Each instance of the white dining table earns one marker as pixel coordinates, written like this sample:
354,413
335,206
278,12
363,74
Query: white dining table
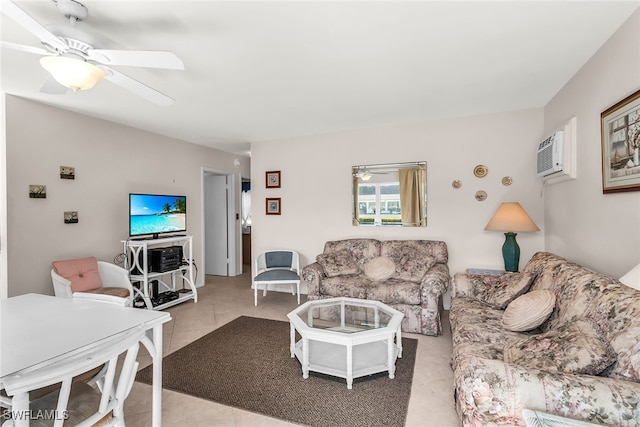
38,330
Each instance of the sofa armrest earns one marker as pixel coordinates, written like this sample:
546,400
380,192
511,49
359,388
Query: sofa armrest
491,392
436,280
466,285
313,275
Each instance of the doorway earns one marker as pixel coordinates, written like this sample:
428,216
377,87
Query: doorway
219,223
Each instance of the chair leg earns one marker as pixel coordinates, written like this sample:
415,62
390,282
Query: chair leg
255,294
298,286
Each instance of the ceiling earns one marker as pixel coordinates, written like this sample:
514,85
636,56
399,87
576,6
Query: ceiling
262,70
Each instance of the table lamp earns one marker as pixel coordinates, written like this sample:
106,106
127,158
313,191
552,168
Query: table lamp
510,217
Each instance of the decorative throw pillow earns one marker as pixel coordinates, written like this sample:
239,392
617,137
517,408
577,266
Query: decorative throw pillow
82,273
412,260
529,311
499,291
338,263
572,348
380,268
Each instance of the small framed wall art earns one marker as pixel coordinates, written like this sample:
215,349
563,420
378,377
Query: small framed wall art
620,126
67,172
273,206
273,179
37,191
71,217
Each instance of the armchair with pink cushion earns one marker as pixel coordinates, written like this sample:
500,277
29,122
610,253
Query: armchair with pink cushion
88,275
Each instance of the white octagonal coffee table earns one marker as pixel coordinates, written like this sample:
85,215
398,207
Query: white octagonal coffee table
346,337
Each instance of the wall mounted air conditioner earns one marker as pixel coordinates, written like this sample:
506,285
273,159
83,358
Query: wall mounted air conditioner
556,154
549,157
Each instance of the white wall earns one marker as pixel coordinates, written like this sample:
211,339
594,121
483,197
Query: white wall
316,185
111,160
600,231
3,202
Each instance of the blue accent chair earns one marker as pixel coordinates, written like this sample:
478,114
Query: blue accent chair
275,268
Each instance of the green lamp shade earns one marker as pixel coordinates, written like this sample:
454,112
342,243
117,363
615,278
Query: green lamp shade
511,253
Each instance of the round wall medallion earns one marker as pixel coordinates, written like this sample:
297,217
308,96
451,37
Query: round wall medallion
456,183
507,180
481,195
480,171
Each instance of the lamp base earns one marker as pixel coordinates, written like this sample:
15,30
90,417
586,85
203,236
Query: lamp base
511,253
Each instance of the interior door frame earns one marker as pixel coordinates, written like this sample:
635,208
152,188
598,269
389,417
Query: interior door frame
234,247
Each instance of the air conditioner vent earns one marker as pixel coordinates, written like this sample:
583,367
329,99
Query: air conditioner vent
549,158
556,154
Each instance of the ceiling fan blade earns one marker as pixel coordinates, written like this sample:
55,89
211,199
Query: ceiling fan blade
24,48
51,86
137,58
136,87
12,11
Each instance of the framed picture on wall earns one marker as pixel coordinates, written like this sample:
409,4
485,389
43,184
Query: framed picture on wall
273,206
620,126
273,179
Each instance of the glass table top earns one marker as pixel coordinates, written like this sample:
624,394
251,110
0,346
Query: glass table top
345,315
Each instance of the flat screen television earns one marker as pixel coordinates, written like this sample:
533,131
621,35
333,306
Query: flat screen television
156,214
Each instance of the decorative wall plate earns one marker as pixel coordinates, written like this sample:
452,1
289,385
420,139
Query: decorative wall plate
456,183
481,195
507,180
480,171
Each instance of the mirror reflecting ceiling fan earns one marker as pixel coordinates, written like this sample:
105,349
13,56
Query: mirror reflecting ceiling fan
365,173
76,60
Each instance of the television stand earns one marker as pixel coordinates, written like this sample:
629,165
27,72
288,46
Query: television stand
138,263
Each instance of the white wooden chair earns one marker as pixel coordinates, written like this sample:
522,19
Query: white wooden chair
77,403
75,275
276,267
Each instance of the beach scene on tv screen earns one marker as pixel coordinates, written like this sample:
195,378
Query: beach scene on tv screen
151,214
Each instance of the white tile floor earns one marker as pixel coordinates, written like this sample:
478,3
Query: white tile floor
223,299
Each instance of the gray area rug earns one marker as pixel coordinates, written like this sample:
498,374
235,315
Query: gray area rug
246,364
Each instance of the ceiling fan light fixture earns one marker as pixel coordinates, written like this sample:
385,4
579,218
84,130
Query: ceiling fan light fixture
76,74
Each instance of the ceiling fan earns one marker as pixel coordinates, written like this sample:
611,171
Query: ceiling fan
77,61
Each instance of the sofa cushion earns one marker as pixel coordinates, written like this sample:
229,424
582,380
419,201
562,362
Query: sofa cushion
81,272
573,347
476,331
360,249
113,291
411,259
338,263
529,311
627,346
395,291
380,268
345,286
499,291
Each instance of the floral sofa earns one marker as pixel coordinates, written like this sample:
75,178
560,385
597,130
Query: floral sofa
582,362
408,275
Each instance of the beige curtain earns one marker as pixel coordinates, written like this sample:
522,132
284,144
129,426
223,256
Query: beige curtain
412,196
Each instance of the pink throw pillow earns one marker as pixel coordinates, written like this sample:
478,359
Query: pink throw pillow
82,273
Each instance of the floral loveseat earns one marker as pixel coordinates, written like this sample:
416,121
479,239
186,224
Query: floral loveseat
408,275
583,362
